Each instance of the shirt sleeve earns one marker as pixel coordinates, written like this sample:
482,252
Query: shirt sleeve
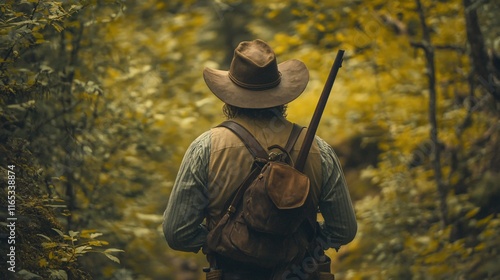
340,226
183,217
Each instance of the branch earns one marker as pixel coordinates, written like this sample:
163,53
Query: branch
459,49
426,46
431,75
11,49
34,10
474,6
419,45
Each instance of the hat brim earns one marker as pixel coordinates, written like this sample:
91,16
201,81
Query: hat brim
294,79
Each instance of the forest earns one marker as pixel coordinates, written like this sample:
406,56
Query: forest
99,100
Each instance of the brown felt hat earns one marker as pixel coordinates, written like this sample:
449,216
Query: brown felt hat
255,80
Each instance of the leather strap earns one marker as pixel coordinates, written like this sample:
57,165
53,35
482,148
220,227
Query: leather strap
259,154
242,188
292,139
294,135
253,145
247,138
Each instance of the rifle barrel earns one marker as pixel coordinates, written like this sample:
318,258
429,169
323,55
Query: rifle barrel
313,125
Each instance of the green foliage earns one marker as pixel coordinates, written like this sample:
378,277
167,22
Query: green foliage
69,250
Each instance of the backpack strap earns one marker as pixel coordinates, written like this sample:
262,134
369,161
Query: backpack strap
292,139
294,135
260,156
253,146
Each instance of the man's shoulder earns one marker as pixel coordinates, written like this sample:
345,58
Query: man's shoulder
327,152
203,140
222,138
322,144
219,132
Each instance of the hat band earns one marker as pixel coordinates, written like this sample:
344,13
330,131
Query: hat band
255,86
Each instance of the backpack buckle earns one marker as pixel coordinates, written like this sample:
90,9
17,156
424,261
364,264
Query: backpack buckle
260,160
273,156
283,155
231,209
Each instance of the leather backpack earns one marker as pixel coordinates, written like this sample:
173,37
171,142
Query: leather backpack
270,220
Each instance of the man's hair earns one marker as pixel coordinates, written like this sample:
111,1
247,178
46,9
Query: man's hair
232,112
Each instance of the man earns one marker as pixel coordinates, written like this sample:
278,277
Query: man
255,91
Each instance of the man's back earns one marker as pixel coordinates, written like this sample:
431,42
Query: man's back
230,161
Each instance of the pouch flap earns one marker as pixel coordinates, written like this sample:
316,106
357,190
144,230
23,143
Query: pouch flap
287,187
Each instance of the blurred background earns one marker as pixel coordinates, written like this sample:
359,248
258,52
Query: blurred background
99,100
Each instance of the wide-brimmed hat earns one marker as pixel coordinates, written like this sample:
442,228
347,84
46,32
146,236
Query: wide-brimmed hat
256,80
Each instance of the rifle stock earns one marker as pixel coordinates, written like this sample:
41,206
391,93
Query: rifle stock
313,125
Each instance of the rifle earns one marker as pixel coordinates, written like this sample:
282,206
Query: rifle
313,125
323,261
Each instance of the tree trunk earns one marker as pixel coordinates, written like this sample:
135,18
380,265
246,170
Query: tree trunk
426,45
477,53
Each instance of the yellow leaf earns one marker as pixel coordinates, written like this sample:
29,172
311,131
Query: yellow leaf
111,257
48,245
472,213
438,257
82,249
42,262
94,235
113,250
484,221
320,27
98,243
480,247
58,231
87,233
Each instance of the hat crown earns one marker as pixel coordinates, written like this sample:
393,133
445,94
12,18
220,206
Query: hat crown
254,66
